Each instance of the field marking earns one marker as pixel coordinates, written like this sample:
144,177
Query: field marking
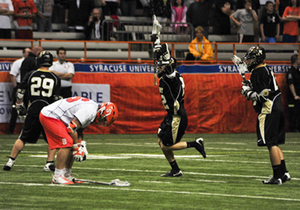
156,182
212,181
187,157
153,191
143,171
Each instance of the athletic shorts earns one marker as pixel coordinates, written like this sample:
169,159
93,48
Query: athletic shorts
172,129
270,129
56,132
31,130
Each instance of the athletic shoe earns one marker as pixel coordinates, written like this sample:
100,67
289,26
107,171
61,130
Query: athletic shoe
10,163
61,180
71,178
200,147
273,181
172,173
49,167
286,177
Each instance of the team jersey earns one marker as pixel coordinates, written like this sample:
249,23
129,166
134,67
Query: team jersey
42,88
264,84
293,77
172,94
84,109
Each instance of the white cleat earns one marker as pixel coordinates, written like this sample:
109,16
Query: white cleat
61,180
10,163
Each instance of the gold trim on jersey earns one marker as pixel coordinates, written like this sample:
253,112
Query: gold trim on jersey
175,127
267,107
45,70
262,120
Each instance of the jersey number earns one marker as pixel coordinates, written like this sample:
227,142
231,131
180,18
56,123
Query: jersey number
76,98
163,98
47,85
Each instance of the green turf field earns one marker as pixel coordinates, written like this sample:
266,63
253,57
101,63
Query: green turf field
229,178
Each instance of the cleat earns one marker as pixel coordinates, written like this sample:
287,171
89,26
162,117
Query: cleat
200,147
49,167
286,177
61,180
172,173
273,181
10,163
71,178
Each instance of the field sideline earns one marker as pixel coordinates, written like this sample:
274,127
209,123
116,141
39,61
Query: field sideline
229,178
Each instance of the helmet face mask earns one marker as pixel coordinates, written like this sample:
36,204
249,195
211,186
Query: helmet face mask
255,56
166,67
106,114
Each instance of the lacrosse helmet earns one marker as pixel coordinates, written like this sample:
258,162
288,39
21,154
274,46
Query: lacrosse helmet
257,54
45,59
106,114
165,59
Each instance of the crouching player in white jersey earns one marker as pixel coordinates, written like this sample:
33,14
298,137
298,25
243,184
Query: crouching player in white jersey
61,120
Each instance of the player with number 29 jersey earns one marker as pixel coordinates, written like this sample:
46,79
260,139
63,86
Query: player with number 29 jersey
42,88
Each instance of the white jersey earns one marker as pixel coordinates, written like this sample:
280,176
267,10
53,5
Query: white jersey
84,109
65,67
15,69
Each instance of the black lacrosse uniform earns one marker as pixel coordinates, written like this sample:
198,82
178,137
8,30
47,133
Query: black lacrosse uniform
293,77
173,126
271,120
42,87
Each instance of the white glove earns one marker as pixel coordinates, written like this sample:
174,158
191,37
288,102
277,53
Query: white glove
249,93
79,151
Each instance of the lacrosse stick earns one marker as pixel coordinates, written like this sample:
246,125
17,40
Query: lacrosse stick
241,66
115,182
155,37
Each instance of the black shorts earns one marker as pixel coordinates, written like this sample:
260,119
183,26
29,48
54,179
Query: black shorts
31,130
270,129
172,129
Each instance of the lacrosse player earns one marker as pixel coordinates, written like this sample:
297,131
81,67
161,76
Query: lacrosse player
42,88
171,88
263,90
61,120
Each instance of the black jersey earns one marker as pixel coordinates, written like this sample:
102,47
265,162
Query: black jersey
42,88
172,94
264,84
293,77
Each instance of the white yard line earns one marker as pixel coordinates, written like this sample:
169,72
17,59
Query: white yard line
151,171
152,191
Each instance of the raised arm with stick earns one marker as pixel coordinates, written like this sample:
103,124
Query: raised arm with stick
156,44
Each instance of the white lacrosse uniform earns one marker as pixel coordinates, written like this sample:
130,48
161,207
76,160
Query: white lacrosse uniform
84,109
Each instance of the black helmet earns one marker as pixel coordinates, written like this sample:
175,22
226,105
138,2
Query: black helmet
258,54
44,58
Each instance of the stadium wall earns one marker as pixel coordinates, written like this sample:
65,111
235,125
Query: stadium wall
212,97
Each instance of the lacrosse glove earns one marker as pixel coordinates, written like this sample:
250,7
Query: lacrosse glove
79,151
249,93
20,108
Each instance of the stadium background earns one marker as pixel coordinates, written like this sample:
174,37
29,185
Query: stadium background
212,97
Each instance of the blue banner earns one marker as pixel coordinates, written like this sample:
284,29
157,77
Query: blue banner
147,68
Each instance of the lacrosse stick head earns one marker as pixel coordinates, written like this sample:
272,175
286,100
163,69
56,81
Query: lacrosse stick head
117,182
241,66
156,26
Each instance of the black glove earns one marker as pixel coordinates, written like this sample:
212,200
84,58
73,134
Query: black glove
20,108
